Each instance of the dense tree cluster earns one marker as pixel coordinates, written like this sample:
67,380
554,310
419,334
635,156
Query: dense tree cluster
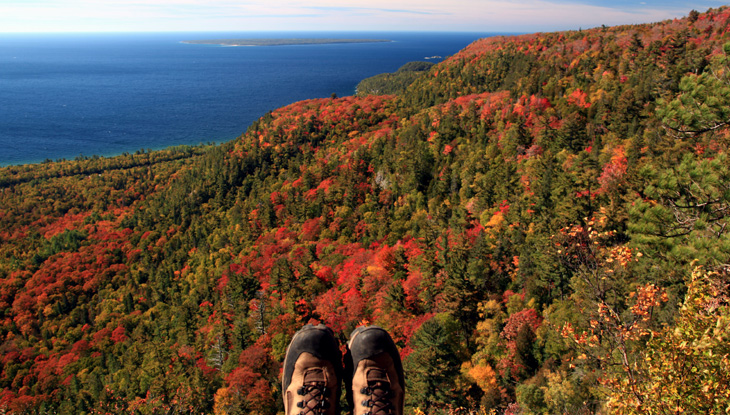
393,83
540,221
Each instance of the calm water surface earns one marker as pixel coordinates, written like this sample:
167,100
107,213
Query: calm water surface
67,95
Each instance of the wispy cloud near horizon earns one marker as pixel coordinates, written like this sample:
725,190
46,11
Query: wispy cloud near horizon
347,9
323,15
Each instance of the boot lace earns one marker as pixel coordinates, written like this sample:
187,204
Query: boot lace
314,399
379,398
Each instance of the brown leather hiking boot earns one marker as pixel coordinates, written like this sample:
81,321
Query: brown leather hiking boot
374,373
312,373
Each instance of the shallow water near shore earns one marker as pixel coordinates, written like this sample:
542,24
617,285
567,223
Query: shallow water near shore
66,95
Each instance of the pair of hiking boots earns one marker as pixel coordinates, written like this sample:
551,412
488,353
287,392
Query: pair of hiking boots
372,372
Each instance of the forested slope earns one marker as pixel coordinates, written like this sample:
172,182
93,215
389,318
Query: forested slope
539,221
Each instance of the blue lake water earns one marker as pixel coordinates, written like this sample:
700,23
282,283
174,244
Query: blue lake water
65,95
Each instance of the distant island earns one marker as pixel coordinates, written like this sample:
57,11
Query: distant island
279,42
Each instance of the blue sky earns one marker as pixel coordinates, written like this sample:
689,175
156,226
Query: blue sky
335,15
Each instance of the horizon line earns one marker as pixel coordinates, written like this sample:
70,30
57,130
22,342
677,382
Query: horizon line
259,31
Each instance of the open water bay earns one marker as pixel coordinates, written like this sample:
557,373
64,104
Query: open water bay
65,95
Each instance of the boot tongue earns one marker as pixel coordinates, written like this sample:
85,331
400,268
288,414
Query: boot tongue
314,392
314,375
379,392
376,375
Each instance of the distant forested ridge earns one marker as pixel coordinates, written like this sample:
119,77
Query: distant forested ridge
393,83
540,221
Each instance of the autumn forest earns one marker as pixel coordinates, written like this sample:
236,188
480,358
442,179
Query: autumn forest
540,222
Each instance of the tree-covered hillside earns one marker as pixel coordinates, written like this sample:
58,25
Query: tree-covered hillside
393,83
539,221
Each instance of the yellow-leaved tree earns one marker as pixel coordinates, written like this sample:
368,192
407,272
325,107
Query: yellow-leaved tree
685,368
